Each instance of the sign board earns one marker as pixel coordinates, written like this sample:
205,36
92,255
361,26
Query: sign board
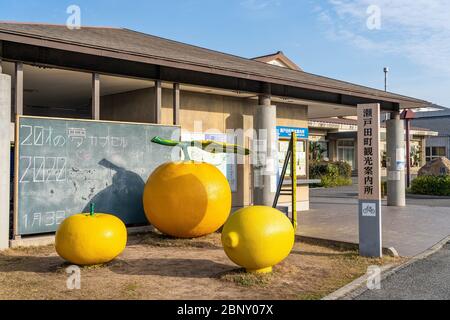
301,157
64,165
226,163
369,175
286,132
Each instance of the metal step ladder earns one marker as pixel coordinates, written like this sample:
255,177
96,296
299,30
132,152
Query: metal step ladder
291,159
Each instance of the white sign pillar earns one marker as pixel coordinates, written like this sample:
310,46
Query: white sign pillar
369,175
5,151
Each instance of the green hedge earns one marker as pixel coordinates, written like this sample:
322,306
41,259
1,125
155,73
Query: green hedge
431,185
332,174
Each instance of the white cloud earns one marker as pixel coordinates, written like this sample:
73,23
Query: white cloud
418,30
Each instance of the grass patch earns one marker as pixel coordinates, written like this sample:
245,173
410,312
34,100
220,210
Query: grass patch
156,239
311,296
155,266
244,279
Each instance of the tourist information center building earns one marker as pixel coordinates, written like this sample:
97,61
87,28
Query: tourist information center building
122,75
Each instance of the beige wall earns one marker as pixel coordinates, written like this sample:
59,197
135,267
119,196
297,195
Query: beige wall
215,112
132,106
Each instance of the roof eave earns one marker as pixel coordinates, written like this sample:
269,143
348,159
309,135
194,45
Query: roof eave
6,35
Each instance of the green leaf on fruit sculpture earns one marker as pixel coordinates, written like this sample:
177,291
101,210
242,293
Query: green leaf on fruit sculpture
205,145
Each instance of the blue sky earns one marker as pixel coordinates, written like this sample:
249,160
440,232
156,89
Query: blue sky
326,37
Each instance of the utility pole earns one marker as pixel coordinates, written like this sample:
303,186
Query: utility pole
386,71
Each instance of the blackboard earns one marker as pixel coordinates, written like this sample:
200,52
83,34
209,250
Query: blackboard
64,165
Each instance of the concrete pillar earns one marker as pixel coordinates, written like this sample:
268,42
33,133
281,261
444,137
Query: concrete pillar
176,104
158,102
5,149
265,165
95,96
18,85
423,152
396,161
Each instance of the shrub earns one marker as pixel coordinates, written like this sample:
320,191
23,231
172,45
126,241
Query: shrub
331,174
431,185
345,170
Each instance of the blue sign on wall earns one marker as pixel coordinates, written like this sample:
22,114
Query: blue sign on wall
286,132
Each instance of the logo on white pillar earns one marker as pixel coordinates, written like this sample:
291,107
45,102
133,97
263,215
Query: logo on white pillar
373,278
74,20
74,280
369,210
374,19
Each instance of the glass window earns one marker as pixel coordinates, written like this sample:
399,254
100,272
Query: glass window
346,151
435,152
439,151
346,143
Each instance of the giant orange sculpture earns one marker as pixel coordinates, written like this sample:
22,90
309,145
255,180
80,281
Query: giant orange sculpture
187,199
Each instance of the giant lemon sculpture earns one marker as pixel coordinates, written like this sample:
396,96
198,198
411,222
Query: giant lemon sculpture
257,238
90,239
188,199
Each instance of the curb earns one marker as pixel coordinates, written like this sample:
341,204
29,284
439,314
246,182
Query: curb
421,196
392,252
354,288
358,286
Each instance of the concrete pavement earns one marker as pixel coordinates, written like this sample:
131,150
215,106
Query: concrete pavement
411,230
427,279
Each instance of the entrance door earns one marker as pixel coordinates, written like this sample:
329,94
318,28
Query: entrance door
346,151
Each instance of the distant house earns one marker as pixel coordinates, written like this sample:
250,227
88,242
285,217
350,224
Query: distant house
439,121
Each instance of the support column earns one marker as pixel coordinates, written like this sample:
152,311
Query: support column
265,171
396,154
5,149
423,152
95,96
18,94
176,104
1,56
158,101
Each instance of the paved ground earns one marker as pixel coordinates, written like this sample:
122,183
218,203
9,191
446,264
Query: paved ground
428,279
411,230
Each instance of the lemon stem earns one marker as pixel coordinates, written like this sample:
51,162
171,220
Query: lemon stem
92,209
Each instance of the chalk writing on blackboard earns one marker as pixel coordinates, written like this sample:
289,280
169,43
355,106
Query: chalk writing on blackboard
64,165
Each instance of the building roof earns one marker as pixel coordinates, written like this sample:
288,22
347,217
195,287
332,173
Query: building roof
433,114
136,46
281,57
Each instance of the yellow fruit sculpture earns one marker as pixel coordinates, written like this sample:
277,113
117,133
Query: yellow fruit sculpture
187,199
91,239
257,238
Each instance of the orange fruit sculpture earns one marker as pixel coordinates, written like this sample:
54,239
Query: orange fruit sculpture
91,239
187,199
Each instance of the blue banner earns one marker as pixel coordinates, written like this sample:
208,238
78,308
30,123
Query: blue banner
286,132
